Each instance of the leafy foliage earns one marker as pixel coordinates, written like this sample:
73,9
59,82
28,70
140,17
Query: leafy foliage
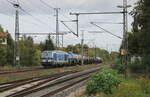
47,45
76,48
119,68
136,66
6,51
139,40
3,55
130,88
140,66
29,53
104,81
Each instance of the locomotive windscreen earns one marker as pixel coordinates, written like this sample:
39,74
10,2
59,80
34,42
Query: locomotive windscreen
46,54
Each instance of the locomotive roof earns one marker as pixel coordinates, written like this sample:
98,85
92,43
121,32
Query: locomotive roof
71,54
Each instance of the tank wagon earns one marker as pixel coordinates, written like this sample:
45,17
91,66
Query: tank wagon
60,58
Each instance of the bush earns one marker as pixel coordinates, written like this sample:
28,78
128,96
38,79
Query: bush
119,67
136,66
103,81
140,66
3,55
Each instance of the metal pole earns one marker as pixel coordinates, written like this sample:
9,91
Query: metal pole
86,13
125,42
82,49
62,40
93,49
16,45
95,52
57,27
77,16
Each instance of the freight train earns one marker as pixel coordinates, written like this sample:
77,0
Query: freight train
60,58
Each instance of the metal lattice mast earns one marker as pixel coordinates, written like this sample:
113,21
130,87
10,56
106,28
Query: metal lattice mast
82,48
62,40
125,40
57,26
16,47
124,49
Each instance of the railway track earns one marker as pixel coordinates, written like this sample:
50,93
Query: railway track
46,86
19,71
24,70
13,84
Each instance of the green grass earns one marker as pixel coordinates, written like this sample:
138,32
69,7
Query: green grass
133,88
5,68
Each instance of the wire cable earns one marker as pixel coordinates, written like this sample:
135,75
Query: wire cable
65,16
106,30
10,2
23,10
54,9
46,4
27,12
32,16
37,18
109,22
68,28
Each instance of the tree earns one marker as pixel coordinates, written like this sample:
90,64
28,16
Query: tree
1,29
69,48
10,49
139,40
6,50
48,44
29,53
3,55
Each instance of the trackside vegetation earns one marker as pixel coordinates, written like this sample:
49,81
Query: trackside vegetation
132,88
108,83
139,38
104,81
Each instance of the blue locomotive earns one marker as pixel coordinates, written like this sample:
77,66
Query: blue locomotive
54,58
60,58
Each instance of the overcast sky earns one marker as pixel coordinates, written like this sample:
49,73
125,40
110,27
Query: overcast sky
43,19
